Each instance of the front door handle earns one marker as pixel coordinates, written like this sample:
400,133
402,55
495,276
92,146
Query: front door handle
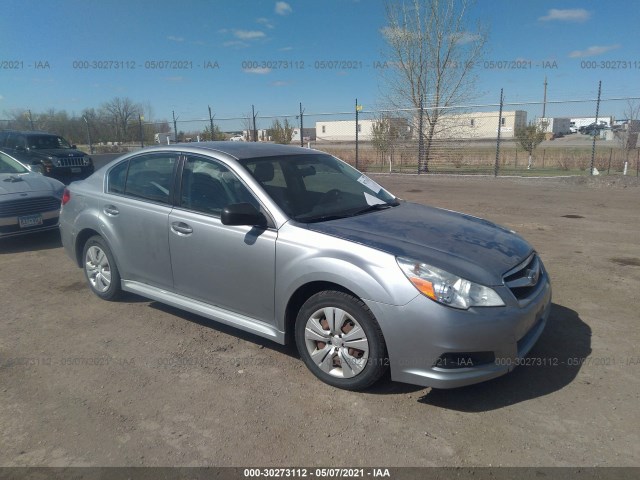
181,228
111,210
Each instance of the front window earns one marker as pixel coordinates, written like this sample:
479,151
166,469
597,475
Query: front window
47,142
208,187
9,165
317,187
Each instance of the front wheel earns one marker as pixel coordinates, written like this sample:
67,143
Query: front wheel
340,341
100,269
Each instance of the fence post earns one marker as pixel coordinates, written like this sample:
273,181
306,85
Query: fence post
495,167
595,130
420,137
210,123
356,133
175,126
141,131
255,130
88,134
301,126
637,161
610,155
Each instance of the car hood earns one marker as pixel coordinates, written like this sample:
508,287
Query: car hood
470,247
27,182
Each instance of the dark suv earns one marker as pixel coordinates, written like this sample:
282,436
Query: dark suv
47,153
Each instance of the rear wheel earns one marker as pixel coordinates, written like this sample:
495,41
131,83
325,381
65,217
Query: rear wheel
340,341
100,269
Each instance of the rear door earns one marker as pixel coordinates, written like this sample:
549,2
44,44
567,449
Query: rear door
136,215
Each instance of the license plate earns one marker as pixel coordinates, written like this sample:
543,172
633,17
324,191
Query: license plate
30,220
76,169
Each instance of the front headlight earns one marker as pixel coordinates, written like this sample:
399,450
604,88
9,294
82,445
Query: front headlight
446,288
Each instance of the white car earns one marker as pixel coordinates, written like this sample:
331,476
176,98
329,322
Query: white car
237,138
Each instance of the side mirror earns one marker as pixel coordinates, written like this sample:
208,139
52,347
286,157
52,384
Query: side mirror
243,214
74,146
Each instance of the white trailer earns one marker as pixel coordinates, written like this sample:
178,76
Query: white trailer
164,137
555,125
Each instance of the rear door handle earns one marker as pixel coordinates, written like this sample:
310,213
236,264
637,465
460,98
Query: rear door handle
181,228
111,210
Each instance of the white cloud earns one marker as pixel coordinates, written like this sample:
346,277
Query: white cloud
175,39
280,83
285,49
283,8
568,15
265,21
1,98
176,79
248,34
592,51
257,71
235,43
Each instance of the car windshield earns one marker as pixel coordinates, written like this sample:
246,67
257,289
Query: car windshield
47,142
318,187
9,165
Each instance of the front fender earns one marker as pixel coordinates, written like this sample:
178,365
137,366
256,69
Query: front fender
304,256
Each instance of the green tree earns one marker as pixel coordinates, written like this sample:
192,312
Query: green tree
216,135
530,137
281,132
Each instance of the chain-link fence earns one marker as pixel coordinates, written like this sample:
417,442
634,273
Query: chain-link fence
556,137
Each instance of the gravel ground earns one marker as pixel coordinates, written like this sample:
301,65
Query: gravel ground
84,382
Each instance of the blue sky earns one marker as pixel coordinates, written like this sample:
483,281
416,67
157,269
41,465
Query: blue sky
227,34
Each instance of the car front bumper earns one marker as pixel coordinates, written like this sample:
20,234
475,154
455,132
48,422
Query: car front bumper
436,346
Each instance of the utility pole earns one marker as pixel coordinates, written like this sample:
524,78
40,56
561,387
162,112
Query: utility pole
31,120
544,101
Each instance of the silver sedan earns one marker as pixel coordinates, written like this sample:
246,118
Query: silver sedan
293,244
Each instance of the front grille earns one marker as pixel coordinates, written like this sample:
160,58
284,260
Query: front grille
28,206
70,162
524,279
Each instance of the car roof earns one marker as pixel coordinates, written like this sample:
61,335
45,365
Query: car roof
241,150
30,132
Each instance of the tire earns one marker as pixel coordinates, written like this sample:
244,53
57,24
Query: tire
340,341
100,269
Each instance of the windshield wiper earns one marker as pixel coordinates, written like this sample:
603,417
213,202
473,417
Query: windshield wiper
375,207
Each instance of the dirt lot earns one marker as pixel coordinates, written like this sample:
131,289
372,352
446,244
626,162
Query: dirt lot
133,383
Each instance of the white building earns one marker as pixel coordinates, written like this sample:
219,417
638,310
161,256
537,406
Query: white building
463,126
480,125
345,130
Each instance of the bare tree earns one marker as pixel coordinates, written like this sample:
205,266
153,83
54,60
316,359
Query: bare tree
628,136
432,56
120,113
